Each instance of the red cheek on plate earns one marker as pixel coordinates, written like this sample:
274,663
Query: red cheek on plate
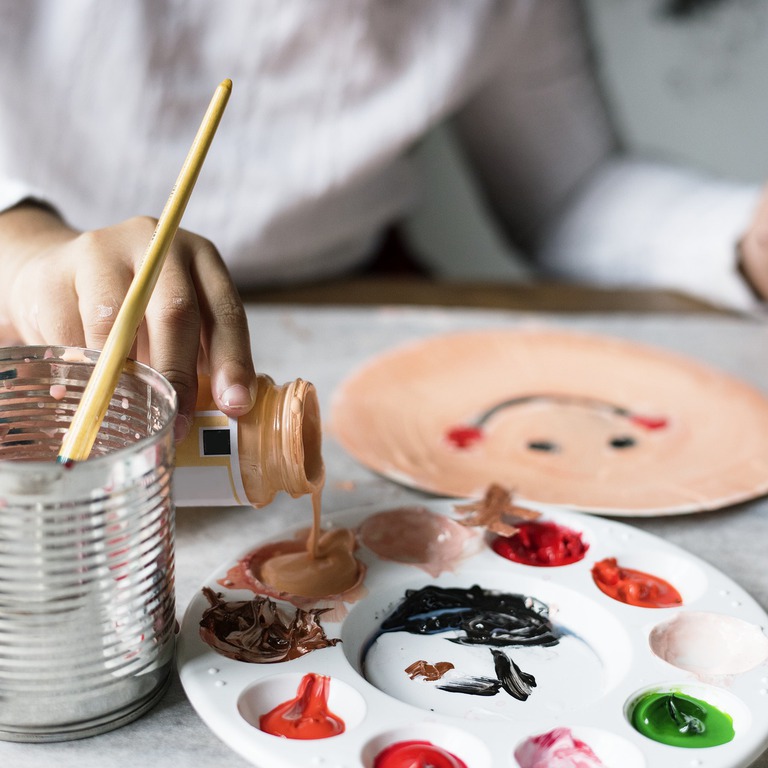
464,437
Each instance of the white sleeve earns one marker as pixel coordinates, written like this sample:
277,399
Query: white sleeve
641,224
13,191
540,140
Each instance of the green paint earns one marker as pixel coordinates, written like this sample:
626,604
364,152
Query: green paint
680,720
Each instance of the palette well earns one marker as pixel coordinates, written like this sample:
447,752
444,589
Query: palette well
589,422
448,642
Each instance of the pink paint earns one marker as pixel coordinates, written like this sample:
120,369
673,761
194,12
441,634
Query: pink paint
545,544
416,754
307,715
556,749
58,391
417,536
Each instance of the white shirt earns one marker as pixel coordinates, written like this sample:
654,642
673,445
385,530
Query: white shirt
100,99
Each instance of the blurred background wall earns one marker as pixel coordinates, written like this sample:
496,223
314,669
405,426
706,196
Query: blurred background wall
690,90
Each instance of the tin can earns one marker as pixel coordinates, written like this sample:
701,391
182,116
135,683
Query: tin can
87,610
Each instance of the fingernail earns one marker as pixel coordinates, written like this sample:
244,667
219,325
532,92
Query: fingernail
237,397
181,427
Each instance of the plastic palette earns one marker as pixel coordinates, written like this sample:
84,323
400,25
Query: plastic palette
586,683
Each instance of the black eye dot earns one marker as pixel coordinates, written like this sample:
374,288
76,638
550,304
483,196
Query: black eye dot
543,445
625,441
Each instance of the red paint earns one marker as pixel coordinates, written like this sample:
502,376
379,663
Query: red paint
634,587
649,422
544,544
416,754
464,437
307,716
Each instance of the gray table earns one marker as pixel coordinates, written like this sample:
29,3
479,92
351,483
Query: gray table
324,345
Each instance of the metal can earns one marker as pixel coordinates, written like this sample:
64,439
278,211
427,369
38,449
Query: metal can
87,610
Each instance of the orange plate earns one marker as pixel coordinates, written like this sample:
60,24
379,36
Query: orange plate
711,450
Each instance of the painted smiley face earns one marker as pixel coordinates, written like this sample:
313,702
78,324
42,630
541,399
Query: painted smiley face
592,423
581,432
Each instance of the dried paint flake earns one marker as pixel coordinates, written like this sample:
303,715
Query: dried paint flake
495,512
430,672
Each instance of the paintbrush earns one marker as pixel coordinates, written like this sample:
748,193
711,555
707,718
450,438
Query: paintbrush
81,435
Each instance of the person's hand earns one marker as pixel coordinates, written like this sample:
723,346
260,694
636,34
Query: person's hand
753,250
60,286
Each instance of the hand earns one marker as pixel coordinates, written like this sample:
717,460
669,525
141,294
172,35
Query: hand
60,286
753,250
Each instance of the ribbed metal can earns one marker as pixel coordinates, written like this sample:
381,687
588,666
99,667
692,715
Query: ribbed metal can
87,611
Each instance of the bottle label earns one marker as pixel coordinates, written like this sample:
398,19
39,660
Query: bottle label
207,469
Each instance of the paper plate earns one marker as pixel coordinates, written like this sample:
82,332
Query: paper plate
605,653
592,423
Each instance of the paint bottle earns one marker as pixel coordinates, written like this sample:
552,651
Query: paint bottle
275,447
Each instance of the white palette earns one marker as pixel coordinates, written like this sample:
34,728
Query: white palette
584,683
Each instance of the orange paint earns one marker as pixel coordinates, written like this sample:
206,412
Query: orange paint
634,587
307,715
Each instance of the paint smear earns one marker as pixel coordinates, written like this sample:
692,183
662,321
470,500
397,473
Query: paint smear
556,749
632,587
509,678
476,617
255,630
307,715
496,512
427,671
416,754
483,617
709,644
679,720
416,536
543,544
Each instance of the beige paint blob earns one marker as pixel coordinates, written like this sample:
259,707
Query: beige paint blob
709,644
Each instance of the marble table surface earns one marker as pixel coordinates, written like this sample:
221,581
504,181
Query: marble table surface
324,345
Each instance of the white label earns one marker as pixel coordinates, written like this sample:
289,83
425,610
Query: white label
208,463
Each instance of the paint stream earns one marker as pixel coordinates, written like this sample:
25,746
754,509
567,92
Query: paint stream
326,567
711,645
556,749
679,720
416,536
634,587
544,544
316,565
254,630
307,715
416,754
